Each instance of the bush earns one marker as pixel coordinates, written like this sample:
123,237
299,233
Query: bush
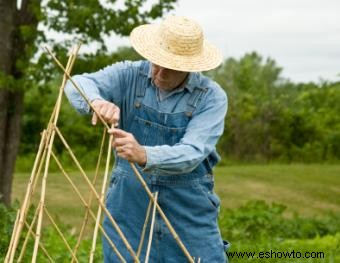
258,220
50,239
261,227
7,218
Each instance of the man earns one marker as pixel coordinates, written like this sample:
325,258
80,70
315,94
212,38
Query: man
170,117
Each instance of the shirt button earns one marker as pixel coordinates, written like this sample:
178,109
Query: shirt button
188,113
137,104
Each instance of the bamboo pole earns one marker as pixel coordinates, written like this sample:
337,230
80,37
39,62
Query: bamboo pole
85,220
12,239
40,245
68,69
77,87
144,229
60,234
99,213
159,209
42,201
43,158
86,206
23,211
151,229
23,248
113,222
44,179
39,161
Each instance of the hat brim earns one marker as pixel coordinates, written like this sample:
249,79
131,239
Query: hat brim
145,41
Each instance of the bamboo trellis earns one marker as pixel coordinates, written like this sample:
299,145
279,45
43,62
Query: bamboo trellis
18,243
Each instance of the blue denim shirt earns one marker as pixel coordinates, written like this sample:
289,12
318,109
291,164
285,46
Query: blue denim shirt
118,82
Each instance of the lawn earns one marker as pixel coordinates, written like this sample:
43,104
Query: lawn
307,189
310,190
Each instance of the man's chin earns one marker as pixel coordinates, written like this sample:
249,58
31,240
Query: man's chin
162,85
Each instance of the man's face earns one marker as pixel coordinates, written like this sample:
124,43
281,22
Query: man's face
167,79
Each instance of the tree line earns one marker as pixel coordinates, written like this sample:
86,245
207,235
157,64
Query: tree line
274,119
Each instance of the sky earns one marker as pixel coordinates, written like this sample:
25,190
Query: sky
302,36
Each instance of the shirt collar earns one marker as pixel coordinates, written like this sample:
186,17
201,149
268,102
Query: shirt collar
192,81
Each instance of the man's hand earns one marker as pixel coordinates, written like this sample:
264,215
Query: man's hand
107,110
127,147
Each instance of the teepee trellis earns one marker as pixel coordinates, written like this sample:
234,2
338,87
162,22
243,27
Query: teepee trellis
41,155
44,154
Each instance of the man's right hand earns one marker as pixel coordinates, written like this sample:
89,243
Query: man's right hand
107,110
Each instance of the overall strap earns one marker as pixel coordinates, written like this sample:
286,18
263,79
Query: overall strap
140,92
195,99
141,88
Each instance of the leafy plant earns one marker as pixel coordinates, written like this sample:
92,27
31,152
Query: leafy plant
258,220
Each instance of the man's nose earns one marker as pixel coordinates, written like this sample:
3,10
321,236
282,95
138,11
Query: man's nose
163,71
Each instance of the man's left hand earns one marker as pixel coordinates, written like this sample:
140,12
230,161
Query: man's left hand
127,147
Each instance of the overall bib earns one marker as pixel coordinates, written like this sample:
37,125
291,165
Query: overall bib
188,200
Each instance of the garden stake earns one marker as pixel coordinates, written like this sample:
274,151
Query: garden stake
23,211
60,233
44,179
151,229
40,245
30,227
99,213
144,229
76,86
12,239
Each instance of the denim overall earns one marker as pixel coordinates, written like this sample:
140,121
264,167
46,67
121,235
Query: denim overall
187,200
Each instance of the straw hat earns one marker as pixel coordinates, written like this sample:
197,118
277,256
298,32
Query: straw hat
177,43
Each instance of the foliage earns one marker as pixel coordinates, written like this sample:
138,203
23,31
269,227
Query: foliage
258,220
261,227
7,218
88,22
85,18
272,119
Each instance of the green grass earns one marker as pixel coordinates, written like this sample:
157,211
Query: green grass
306,189
310,190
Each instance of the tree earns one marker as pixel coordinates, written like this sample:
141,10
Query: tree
85,20
250,83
